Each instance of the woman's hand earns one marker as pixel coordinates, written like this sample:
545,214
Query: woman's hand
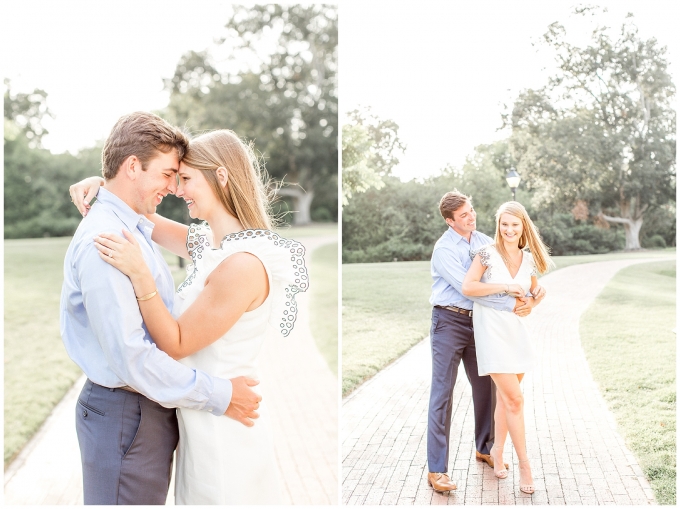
515,291
538,292
123,253
83,192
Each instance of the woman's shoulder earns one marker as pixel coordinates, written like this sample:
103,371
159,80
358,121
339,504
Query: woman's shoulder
197,239
284,261
484,252
264,238
280,256
530,263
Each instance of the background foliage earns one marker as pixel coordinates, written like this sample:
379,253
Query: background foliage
601,133
401,221
284,102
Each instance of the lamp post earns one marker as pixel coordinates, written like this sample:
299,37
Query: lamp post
513,179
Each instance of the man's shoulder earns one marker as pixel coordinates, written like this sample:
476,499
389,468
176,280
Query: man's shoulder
483,237
443,242
98,220
447,247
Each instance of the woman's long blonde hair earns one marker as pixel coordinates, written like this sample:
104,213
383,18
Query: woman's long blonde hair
530,236
246,194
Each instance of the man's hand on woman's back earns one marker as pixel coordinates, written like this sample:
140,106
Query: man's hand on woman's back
244,401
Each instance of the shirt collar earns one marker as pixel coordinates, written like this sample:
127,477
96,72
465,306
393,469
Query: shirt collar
129,217
457,237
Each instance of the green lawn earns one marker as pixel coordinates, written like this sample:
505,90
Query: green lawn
37,370
323,274
630,346
386,310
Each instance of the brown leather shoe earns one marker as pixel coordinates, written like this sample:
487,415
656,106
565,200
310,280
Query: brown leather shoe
440,482
486,458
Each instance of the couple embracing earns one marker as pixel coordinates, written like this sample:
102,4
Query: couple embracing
170,370
482,289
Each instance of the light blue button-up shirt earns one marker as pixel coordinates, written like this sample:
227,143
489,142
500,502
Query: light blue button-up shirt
102,327
450,262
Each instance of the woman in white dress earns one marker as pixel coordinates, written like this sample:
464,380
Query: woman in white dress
503,345
243,278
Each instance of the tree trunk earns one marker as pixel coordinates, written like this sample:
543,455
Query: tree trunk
632,212
302,204
632,229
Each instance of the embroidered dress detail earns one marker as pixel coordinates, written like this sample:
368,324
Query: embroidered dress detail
283,260
196,239
484,258
534,270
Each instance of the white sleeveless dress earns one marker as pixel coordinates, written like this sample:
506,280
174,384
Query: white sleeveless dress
219,460
502,339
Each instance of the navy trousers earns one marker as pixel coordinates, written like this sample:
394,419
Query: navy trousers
126,445
452,339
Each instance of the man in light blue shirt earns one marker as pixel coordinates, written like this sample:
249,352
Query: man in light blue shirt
125,415
452,337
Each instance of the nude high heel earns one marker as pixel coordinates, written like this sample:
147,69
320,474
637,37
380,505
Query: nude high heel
501,474
526,488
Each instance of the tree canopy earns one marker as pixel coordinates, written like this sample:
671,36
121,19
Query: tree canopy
27,111
602,131
283,98
370,149
36,182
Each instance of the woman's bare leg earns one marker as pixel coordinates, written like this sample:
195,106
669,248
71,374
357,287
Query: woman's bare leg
501,433
510,394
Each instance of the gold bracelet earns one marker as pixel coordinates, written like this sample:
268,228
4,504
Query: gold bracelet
148,296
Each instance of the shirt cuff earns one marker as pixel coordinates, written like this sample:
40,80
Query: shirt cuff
509,304
221,396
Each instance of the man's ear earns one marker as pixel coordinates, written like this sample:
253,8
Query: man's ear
132,166
222,175
449,222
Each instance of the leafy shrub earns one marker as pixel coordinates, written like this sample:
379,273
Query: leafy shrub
655,241
321,214
568,236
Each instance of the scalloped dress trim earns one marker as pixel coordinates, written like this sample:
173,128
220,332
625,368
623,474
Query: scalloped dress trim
197,243
484,258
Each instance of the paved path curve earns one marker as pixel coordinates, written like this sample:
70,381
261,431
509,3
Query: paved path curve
303,400
576,453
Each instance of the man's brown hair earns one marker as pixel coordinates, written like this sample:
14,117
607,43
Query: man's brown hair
452,201
143,135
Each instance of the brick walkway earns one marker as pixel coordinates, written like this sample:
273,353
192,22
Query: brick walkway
302,394
577,455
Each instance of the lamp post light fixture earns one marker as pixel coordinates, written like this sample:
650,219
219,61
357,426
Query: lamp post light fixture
513,179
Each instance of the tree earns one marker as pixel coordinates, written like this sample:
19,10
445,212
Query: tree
36,181
285,99
27,111
602,130
370,149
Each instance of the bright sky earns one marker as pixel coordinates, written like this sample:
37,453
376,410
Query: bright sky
443,70
100,60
